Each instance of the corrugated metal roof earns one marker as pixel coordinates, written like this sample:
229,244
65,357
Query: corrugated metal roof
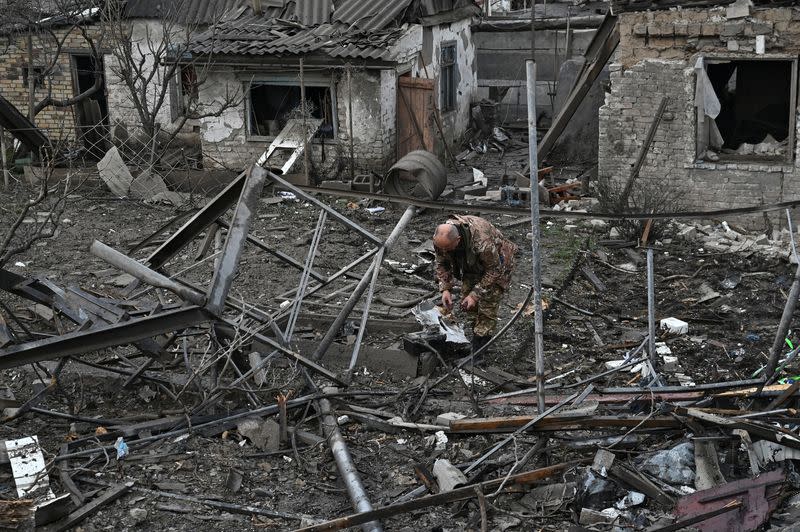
369,15
337,28
194,11
313,12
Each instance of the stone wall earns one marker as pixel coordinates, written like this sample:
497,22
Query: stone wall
58,123
655,59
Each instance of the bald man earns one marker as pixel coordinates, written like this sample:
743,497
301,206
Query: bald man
472,250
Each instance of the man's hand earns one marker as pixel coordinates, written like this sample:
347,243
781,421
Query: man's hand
447,299
469,302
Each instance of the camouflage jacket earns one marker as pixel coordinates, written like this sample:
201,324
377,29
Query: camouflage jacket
483,255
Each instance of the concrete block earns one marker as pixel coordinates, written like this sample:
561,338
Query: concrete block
738,9
674,326
733,46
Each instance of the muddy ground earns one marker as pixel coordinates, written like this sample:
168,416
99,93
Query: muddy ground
729,338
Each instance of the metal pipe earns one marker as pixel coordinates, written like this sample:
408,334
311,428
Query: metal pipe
651,309
142,272
538,319
783,327
350,304
344,462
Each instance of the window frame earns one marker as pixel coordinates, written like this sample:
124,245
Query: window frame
445,105
291,81
702,132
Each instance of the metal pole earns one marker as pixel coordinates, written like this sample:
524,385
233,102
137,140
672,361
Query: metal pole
344,463
651,309
303,110
365,313
5,163
350,113
305,276
535,235
358,291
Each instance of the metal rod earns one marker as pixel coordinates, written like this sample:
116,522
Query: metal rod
333,330
651,309
305,276
142,272
344,463
331,211
350,113
783,326
4,161
538,319
303,110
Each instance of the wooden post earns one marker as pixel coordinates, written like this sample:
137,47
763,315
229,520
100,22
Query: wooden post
305,127
5,163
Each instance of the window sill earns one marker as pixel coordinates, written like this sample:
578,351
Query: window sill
269,140
750,165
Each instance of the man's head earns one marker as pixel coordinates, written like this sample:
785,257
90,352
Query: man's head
446,237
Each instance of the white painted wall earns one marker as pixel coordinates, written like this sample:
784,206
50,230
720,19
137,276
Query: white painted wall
144,34
455,122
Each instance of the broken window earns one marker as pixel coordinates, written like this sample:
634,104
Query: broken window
184,91
272,104
38,76
746,109
447,77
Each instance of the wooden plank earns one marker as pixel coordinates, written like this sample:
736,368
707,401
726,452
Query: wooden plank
587,272
110,495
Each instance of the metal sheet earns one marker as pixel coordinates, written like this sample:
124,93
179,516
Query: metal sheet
28,466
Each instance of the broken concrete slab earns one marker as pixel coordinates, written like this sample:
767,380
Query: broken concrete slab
115,173
147,185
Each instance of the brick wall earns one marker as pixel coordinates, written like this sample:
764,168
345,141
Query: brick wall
655,58
58,122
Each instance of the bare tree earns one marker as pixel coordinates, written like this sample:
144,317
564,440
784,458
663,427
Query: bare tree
152,60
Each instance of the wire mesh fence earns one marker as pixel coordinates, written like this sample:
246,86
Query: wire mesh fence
73,149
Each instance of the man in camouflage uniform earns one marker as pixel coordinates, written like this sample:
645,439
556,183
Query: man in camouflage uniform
472,250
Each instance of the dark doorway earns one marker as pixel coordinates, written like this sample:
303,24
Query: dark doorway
91,114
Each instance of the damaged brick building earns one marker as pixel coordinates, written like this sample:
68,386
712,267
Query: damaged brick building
728,72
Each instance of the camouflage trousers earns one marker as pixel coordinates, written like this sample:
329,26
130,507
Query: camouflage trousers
484,315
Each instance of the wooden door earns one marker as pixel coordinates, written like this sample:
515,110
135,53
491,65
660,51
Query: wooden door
414,112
